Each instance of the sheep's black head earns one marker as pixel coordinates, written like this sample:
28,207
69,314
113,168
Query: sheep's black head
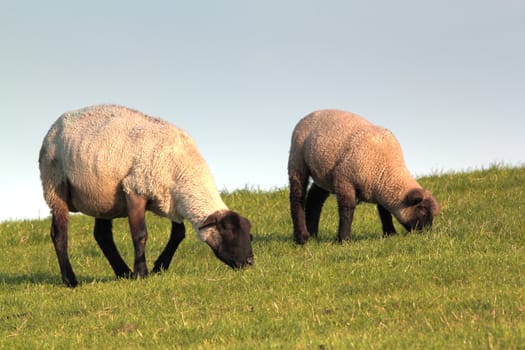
232,241
420,209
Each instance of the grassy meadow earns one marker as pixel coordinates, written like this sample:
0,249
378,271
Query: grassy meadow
459,286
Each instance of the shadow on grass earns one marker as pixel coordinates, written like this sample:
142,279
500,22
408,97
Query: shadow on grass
321,238
42,278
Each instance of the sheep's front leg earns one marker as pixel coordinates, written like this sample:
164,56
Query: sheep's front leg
386,220
346,204
137,224
104,237
314,204
298,186
177,235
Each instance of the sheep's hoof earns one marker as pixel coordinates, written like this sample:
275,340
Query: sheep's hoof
140,274
300,238
73,283
343,239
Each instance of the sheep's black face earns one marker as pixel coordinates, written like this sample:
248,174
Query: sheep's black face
422,207
421,219
235,248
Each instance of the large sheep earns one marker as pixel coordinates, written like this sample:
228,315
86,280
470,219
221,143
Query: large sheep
357,161
110,161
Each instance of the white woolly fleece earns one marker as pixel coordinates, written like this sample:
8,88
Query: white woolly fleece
103,151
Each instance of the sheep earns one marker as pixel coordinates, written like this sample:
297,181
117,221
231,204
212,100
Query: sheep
348,156
110,161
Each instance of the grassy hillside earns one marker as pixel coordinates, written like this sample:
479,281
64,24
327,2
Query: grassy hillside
461,285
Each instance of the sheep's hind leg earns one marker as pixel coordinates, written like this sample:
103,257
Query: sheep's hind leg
346,205
314,204
298,184
60,219
137,224
386,221
177,235
104,237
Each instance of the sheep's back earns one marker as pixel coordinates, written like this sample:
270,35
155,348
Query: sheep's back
95,148
335,141
321,138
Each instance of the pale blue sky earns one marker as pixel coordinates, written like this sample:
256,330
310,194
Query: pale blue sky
447,77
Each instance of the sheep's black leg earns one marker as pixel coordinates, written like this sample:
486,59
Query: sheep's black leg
137,224
176,236
314,204
298,184
104,237
60,219
346,205
386,220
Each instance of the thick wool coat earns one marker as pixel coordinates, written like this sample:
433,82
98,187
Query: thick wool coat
343,152
100,153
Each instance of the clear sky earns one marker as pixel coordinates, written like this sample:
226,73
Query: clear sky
447,77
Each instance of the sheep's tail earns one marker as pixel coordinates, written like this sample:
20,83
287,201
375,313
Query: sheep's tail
54,183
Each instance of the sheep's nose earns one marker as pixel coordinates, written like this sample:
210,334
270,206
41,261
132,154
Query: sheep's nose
249,261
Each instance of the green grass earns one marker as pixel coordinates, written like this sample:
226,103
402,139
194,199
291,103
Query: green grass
461,285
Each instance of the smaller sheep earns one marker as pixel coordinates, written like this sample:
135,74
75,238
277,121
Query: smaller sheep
110,161
346,155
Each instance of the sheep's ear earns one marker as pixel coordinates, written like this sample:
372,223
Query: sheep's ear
227,225
210,221
414,197
230,221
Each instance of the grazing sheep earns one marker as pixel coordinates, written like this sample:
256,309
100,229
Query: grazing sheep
110,161
357,161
